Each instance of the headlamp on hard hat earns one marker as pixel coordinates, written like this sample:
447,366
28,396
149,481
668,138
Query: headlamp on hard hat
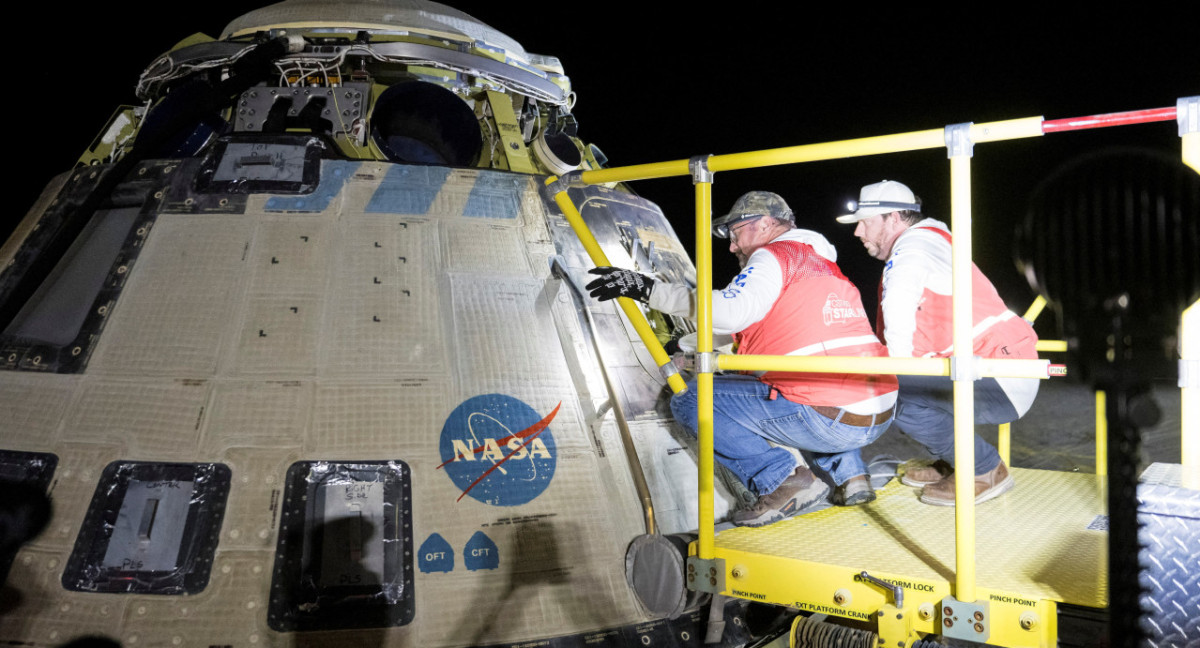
879,199
855,205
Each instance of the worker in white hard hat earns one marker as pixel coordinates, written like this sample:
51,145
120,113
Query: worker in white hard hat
915,321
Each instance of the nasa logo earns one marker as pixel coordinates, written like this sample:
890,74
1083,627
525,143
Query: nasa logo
498,450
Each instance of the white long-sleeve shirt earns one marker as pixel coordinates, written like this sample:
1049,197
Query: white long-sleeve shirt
916,309
749,296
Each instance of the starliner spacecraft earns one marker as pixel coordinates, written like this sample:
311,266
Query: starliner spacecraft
299,355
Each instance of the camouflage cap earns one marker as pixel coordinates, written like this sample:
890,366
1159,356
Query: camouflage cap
754,204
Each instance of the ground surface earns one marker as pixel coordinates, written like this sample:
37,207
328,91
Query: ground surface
1059,432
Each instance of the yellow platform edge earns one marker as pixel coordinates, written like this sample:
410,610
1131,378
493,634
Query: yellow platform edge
813,562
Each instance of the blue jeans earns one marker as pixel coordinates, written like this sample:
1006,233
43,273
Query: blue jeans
745,417
925,412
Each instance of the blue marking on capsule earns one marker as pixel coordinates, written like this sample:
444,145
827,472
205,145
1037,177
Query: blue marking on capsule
408,190
334,174
495,195
481,553
435,555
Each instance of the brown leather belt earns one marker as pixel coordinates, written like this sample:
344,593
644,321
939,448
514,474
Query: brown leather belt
850,418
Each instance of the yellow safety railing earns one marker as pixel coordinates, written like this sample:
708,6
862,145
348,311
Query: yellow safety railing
968,367
930,139
963,367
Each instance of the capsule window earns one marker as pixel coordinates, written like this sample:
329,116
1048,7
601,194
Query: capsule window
152,528
344,555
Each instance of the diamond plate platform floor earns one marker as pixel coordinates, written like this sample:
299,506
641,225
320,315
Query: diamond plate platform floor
1045,539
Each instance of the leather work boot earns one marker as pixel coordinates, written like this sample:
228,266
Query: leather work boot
988,486
857,490
798,492
918,473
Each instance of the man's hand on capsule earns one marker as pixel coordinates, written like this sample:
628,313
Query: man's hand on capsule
619,282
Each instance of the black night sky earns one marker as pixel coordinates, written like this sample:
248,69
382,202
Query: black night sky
661,82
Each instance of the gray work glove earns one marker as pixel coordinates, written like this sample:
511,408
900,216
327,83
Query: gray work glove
619,282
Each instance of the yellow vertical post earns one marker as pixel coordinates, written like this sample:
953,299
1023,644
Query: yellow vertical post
1004,442
704,346
1191,150
962,363
1101,433
1189,385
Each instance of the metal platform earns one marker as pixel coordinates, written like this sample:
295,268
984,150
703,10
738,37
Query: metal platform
1042,543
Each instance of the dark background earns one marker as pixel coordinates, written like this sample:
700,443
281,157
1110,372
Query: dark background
657,83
